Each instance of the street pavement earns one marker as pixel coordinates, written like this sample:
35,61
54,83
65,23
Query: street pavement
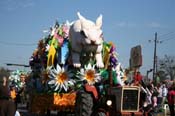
24,112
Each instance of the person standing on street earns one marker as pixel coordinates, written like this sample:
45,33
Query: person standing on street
7,106
171,99
164,93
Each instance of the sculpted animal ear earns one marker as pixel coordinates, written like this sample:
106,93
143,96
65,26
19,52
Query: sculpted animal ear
81,17
99,21
83,21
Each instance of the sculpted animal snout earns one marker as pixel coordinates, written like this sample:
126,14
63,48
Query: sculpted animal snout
93,41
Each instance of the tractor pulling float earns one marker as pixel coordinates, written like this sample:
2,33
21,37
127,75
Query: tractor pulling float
74,70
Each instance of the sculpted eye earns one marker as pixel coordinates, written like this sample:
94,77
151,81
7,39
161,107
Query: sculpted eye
83,34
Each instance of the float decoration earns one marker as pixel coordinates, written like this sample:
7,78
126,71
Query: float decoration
60,66
17,78
60,79
89,74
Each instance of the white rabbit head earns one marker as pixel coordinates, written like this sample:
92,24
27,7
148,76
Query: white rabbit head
91,31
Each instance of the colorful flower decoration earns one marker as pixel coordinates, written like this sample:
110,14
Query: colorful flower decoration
105,76
89,74
118,75
15,79
58,37
65,28
52,52
60,78
109,55
113,57
47,47
60,32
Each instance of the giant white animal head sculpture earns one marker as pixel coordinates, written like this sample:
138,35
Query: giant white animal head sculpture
92,31
87,36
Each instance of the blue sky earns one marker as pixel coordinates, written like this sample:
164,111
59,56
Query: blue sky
126,23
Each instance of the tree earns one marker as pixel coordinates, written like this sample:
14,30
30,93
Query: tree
166,67
4,72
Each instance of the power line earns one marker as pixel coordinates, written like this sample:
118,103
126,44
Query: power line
17,44
167,39
168,36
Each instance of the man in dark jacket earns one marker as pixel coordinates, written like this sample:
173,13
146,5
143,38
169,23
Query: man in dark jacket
7,106
171,98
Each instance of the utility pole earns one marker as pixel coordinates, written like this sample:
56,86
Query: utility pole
155,58
148,71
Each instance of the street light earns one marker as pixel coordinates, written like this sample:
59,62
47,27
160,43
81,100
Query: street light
11,64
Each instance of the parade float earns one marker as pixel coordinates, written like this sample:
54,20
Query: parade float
73,69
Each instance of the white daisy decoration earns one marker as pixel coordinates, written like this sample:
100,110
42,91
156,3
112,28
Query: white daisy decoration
15,76
60,78
89,74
